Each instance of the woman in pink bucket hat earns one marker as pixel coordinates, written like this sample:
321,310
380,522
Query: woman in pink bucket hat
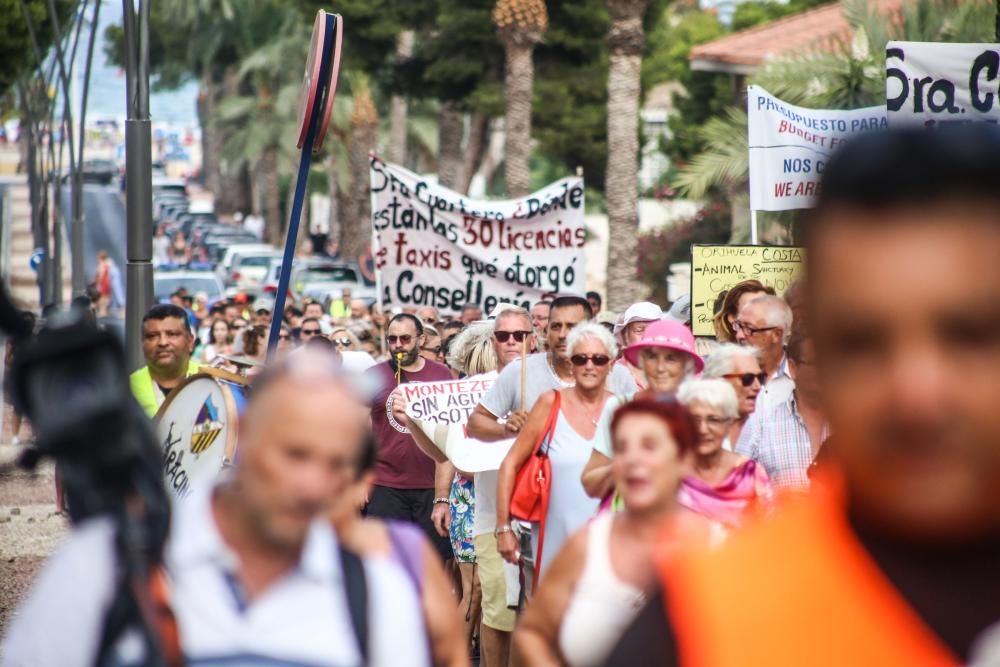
666,355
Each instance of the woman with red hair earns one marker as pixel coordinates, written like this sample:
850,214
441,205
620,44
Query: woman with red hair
598,582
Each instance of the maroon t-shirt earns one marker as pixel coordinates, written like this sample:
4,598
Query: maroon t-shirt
400,464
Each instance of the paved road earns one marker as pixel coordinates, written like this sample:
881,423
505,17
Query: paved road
104,224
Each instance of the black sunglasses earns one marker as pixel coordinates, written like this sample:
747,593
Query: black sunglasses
405,339
432,350
746,379
504,336
284,337
582,359
311,332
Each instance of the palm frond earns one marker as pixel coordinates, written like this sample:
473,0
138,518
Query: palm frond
725,162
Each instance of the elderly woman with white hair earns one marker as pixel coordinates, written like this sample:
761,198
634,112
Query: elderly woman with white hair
666,355
575,411
724,486
739,366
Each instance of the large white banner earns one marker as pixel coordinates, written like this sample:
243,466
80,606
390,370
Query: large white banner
436,247
789,146
930,83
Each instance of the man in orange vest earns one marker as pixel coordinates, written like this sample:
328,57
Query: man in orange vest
895,560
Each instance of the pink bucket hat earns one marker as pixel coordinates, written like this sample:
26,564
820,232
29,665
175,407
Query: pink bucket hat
668,334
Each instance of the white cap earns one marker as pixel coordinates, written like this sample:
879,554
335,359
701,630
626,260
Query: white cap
644,311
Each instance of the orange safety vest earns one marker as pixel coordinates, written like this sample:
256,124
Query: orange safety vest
796,590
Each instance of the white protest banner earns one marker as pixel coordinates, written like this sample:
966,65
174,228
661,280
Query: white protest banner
436,247
930,82
790,145
442,409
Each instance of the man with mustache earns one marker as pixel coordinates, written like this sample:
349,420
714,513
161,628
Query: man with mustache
404,476
167,343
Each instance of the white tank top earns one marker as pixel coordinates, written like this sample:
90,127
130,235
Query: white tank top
602,605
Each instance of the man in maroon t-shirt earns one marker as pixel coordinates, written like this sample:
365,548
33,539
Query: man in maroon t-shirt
404,476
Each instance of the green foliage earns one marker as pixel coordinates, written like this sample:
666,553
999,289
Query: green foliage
659,249
749,14
17,55
670,42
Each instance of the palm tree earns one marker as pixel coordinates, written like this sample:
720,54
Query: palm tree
849,77
398,105
356,227
625,43
521,24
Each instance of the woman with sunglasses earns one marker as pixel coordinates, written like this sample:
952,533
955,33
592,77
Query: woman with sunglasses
344,340
666,356
591,350
598,583
723,486
737,365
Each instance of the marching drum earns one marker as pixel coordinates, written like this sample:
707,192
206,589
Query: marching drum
197,427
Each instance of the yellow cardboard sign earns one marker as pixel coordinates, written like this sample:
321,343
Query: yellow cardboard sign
716,268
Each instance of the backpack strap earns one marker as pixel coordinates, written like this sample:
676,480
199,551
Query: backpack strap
356,589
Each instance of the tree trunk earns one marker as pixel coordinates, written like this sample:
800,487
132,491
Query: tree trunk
334,188
233,193
398,105
270,186
356,230
210,145
475,148
450,130
625,43
518,82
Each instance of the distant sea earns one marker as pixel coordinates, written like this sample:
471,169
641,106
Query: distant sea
107,83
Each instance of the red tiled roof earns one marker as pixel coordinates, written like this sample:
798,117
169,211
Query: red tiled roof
820,28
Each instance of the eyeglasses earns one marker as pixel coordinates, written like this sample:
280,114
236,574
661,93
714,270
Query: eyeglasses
749,330
311,332
712,421
343,342
432,350
504,336
405,339
746,379
582,359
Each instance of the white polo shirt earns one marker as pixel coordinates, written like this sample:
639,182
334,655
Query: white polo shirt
301,619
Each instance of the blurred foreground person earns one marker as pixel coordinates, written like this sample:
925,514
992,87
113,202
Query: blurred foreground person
599,580
256,575
893,561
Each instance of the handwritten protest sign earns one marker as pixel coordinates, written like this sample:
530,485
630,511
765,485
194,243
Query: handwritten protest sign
716,268
436,247
790,145
442,409
930,83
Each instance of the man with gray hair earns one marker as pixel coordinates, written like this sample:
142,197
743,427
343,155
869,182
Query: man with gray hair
737,365
766,323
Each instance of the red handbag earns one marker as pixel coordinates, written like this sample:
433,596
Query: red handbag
533,484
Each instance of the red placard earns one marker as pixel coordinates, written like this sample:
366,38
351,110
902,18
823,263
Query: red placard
338,31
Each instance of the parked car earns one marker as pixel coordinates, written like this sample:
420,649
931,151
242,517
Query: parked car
249,269
331,274
166,283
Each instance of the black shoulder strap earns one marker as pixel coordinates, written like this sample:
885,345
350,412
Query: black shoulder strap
356,589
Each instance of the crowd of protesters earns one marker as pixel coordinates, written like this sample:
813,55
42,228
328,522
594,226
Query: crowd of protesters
816,484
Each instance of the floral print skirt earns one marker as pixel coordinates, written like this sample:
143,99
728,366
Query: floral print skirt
463,504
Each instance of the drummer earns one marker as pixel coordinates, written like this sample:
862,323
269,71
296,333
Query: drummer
167,343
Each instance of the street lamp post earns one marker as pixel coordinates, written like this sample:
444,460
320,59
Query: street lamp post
138,180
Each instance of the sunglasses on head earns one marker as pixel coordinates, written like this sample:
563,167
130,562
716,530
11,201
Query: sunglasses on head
405,339
504,336
746,379
582,359
343,342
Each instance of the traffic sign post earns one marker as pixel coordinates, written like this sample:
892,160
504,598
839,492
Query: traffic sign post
315,105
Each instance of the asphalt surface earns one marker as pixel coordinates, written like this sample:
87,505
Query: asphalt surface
103,226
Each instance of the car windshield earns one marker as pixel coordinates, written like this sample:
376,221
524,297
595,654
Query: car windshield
262,260
167,285
336,274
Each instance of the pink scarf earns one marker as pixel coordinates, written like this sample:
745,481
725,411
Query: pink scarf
728,502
